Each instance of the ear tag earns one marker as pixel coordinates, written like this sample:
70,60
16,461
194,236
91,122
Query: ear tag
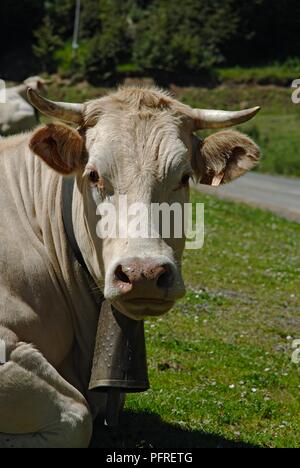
217,179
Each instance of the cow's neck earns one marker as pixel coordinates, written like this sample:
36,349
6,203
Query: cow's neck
84,223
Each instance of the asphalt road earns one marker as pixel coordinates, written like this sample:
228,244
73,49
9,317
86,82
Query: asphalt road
280,195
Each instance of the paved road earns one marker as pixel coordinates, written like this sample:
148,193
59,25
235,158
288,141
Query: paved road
278,194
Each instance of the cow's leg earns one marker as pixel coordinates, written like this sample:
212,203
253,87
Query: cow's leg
38,408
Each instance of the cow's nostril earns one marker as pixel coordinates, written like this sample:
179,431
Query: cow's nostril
166,279
121,276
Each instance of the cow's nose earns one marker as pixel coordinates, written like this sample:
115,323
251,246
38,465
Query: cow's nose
138,275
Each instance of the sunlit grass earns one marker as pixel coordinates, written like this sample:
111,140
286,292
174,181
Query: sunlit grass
278,74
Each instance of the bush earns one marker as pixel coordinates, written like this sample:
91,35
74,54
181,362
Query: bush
173,39
112,44
70,65
56,28
101,61
46,46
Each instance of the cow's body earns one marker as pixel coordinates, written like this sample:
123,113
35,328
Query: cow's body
137,142
44,297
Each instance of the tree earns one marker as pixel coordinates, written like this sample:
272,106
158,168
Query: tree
173,38
55,30
90,22
47,44
112,44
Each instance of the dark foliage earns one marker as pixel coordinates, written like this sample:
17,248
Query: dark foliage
161,37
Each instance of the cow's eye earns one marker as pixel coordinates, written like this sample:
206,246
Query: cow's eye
94,177
185,180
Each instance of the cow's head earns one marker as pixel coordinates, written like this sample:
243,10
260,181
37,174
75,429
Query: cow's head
140,143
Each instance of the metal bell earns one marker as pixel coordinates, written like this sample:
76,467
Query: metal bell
120,353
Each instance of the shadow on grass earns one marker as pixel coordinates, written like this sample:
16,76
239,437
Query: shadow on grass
146,430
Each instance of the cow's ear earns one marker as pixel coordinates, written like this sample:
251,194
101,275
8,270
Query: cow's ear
59,146
223,157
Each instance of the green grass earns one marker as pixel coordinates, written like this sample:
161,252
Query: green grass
276,74
220,362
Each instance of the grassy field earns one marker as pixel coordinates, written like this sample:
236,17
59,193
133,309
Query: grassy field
220,362
276,129
276,74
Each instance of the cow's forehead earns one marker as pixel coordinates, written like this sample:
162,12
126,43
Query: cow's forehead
137,143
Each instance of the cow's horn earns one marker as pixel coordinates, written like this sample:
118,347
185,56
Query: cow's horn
67,112
206,119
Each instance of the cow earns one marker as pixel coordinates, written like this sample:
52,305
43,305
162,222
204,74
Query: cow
16,114
138,142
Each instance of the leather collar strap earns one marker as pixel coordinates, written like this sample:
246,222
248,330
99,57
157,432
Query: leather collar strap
67,199
67,202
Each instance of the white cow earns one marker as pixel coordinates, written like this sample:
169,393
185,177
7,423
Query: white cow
17,114
136,142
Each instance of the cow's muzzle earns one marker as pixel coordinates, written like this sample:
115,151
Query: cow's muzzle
144,286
